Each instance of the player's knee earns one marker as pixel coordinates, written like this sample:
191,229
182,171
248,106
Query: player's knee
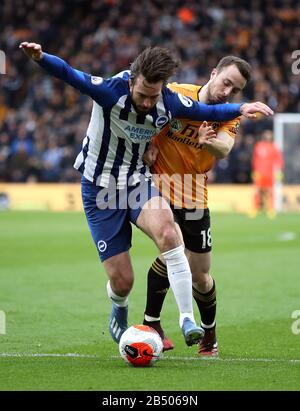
121,285
202,281
168,237
123,288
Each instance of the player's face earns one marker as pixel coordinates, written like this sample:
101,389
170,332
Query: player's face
223,85
144,95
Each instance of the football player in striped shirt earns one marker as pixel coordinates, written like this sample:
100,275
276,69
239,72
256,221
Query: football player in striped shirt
183,150
128,110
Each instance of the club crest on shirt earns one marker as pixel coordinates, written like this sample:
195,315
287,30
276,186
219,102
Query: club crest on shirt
175,125
161,121
234,129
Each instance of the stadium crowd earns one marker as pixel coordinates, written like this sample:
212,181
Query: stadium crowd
43,121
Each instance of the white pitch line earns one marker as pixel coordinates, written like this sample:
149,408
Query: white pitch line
34,355
172,358
218,359
287,236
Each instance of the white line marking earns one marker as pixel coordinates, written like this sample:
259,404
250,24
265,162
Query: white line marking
33,355
165,357
287,236
218,359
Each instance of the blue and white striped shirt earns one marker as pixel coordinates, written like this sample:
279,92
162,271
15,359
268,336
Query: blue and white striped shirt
117,136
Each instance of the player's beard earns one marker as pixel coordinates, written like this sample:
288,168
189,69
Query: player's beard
141,112
211,99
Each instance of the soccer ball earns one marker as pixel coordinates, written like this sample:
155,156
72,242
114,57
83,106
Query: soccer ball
140,345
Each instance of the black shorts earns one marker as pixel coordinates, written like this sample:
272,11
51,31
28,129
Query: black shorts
195,228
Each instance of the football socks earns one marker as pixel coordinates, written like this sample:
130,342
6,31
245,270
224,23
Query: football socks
117,299
180,278
207,305
158,286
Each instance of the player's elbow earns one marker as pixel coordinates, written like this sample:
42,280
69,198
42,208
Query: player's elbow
223,149
222,152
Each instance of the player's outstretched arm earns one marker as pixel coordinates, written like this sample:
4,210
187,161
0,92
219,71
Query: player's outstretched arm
182,106
60,69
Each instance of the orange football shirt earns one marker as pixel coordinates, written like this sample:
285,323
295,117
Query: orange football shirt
267,160
181,166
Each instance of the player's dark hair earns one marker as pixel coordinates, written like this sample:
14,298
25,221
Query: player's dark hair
155,64
242,65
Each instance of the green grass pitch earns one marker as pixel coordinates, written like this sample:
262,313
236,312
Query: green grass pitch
53,294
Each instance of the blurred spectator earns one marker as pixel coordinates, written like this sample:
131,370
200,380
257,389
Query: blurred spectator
21,142
51,160
102,37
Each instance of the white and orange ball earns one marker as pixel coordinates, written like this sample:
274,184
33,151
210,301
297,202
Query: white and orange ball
140,346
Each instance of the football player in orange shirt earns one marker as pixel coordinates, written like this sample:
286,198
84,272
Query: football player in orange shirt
187,150
267,165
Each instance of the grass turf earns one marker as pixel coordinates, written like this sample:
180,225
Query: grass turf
53,292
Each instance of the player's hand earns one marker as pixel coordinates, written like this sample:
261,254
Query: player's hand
250,110
32,50
150,155
206,133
